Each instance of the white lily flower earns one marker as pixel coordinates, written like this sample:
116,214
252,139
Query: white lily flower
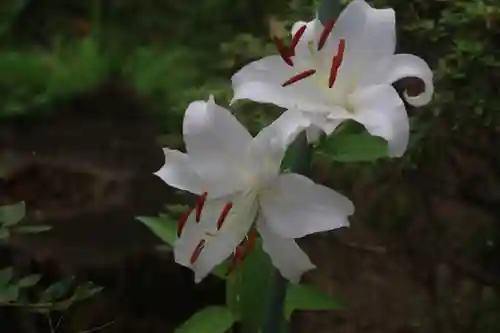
342,70
238,177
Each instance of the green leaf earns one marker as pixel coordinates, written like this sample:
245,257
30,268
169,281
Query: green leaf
4,233
305,297
164,228
32,229
86,291
9,293
29,281
256,276
357,147
5,276
212,319
12,214
57,290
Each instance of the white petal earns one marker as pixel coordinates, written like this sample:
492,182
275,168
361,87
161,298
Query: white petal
215,143
382,112
179,173
285,254
269,146
310,35
294,206
369,35
398,66
220,246
261,81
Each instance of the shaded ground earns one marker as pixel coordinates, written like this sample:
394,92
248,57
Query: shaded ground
421,255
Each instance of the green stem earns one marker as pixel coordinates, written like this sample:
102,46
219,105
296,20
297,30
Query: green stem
274,320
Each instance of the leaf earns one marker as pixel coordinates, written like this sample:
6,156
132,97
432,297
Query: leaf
32,229
305,297
29,281
256,278
10,293
5,276
164,228
358,147
4,233
86,291
212,319
12,214
57,290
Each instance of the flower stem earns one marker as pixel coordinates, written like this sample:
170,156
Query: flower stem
274,321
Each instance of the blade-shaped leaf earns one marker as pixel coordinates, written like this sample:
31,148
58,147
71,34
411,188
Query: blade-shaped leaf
305,297
212,319
9,293
32,229
29,281
356,147
12,214
57,290
164,228
5,276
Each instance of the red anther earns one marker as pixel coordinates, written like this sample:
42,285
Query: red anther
182,221
285,55
197,251
251,238
223,214
299,77
237,258
336,62
296,38
199,205
327,29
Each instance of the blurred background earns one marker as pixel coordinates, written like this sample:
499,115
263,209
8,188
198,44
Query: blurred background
90,90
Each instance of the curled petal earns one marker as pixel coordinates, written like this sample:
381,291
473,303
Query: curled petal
285,254
179,172
294,206
382,112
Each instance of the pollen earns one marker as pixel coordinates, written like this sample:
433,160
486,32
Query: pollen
197,251
299,77
283,51
327,29
336,62
296,38
199,205
223,214
182,221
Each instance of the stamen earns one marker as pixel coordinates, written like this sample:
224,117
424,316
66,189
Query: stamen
299,77
237,258
223,214
296,39
182,221
327,29
199,205
251,238
285,55
197,251
336,62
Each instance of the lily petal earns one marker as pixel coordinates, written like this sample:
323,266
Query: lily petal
285,254
294,206
222,243
398,66
215,142
369,34
269,146
179,173
261,81
382,112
